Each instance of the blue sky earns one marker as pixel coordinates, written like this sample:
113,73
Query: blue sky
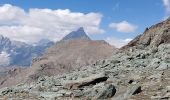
135,15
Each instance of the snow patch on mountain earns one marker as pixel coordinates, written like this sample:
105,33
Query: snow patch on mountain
4,58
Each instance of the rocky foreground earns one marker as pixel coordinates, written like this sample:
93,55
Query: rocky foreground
139,71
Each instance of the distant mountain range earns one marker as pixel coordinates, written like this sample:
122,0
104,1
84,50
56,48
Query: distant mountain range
16,53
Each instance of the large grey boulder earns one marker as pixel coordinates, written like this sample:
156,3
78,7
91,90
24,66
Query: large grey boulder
100,91
107,91
92,80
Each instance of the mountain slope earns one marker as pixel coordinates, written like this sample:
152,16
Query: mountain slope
140,71
69,55
153,36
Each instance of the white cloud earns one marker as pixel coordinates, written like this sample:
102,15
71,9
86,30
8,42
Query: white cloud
4,59
117,42
123,26
36,24
166,4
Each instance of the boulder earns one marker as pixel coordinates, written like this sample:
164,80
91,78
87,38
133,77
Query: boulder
132,90
163,66
107,91
92,80
50,95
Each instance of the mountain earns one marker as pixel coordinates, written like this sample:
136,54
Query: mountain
63,57
79,34
5,43
138,71
66,56
16,53
153,36
74,51
44,42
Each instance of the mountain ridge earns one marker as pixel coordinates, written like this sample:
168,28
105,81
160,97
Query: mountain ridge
153,36
20,53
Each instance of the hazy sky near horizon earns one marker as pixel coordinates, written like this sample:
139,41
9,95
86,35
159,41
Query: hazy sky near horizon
116,21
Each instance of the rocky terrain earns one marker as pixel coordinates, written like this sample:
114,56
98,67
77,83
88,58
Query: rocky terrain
138,71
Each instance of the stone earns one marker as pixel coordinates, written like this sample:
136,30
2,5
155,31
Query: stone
77,93
108,91
166,97
163,66
92,80
7,91
168,88
115,61
54,89
155,76
132,90
50,95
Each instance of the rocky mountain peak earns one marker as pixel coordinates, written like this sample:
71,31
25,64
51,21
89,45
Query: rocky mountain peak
79,34
17,53
5,43
81,29
153,36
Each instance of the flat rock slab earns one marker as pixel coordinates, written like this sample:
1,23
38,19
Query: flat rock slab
50,95
132,90
92,80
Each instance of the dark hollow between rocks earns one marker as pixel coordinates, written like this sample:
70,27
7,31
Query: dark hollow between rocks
130,81
138,90
94,82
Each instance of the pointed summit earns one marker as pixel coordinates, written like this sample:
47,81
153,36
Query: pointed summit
79,34
81,29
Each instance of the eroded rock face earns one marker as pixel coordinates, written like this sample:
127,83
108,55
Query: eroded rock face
153,36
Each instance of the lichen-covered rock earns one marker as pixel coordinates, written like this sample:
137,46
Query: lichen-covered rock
107,91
